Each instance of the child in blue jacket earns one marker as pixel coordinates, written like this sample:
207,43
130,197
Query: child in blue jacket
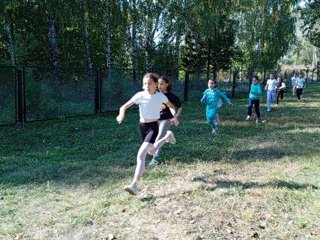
254,98
211,98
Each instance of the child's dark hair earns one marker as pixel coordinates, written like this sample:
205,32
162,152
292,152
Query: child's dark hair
169,88
153,76
256,77
215,81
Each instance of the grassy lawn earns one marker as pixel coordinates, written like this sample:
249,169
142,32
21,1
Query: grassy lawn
64,179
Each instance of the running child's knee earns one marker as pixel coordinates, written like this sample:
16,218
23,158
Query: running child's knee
152,150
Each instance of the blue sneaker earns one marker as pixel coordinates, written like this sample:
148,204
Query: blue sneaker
153,163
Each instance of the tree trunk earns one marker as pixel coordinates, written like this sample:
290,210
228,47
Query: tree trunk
134,55
177,54
85,33
10,38
53,44
149,65
215,71
149,43
108,37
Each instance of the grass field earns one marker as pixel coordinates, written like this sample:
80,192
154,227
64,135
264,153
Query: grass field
64,179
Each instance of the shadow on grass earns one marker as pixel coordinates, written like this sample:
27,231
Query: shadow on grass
218,184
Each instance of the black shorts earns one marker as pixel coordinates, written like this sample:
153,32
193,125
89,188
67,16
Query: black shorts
149,131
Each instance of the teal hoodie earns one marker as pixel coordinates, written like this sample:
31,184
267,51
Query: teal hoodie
213,97
255,91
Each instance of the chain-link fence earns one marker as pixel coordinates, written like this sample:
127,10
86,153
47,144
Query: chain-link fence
41,93
56,94
7,95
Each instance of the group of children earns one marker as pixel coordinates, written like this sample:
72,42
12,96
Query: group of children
159,109
275,90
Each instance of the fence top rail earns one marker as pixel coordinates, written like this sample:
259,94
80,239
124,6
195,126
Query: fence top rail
8,66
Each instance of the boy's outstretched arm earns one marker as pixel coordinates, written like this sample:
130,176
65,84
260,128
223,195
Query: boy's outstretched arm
122,111
226,99
173,112
203,99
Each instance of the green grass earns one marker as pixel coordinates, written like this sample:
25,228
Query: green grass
63,179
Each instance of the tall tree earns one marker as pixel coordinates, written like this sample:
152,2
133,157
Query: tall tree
8,24
134,43
53,42
266,30
311,22
211,36
85,33
108,35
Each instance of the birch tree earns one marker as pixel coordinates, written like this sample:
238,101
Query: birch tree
265,32
6,13
53,43
85,34
108,35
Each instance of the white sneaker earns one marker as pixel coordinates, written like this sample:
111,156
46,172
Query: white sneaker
153,163
257,120
268,110
248,118
132,188
217,121
170,138
214,131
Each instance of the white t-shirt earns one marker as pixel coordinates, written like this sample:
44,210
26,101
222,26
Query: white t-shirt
149,105
283,86
300,82
294,80
271,84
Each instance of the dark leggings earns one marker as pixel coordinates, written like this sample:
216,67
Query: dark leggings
280,95
299,92
256,103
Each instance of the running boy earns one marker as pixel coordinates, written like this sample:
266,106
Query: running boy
166,116
300,84
210,98
293,83
254,98
150,102
281,87
271,90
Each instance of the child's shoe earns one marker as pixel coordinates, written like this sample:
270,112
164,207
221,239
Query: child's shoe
248,118
132,188
153,163
170,138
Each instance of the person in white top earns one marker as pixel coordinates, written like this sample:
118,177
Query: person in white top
150,104
281,87
293,83
300,84
271,87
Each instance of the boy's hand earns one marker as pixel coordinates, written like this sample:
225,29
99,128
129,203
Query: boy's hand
120,118
174,121
231,105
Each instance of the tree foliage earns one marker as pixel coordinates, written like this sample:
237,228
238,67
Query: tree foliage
311,22
266,30
209,35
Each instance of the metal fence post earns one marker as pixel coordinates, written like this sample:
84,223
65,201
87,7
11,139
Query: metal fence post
20,98
250,75
98,92
186,86
318,71
235,73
